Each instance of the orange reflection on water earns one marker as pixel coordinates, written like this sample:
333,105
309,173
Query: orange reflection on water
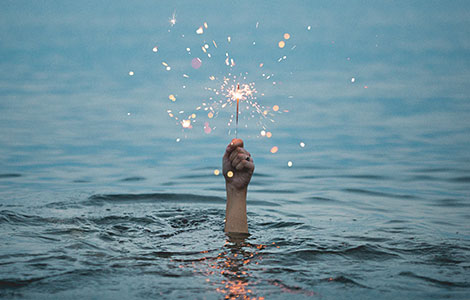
231,272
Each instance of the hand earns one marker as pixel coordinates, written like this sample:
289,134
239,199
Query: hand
238,161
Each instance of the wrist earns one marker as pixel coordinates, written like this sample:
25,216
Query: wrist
236,191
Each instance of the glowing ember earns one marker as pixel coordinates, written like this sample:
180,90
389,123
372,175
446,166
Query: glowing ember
269,134
200,30
196,63
286,36
302,144
131,73
173,19
274,149
276,107
289,164
263,133
207,128
309,27
230,174
353,80
216,172
186,123
281,44
172,97
155,49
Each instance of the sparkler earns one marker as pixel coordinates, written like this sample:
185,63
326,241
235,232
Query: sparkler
226,89
238,101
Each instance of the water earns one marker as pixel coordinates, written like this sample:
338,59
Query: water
99,200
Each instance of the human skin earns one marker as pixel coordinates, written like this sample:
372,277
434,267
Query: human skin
238,163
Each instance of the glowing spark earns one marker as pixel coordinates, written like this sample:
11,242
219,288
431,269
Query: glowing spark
263,133
215,45
205,25
185,75
216,172
196,63
309,27
172,97
200,30
281,44
131,73
229,39
289,164
276,107
186,123
230,174
353,80
165,64
178,140
207,128
274,149
173,19
302,144
155,49
286,36
269,134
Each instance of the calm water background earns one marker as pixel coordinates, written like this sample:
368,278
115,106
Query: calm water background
99,200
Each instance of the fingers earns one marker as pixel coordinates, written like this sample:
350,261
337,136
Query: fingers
239,155
232,146
245,165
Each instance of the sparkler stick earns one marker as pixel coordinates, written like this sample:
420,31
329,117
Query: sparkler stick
238,100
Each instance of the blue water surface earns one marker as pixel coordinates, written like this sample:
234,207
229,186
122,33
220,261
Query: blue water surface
104,195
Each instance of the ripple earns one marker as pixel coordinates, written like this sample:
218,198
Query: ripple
132,179
10,175
99,199
463,179
380,194
360,252
435,281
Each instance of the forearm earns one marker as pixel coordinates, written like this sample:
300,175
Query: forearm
235,214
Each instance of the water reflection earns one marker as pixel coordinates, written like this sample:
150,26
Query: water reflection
235,264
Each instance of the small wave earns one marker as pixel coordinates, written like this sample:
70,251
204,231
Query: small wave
463,179
361,252
10,175
321,199
274,191
132,179
435,281
380,194
344,280
7,216
153,197
280,224
450,203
